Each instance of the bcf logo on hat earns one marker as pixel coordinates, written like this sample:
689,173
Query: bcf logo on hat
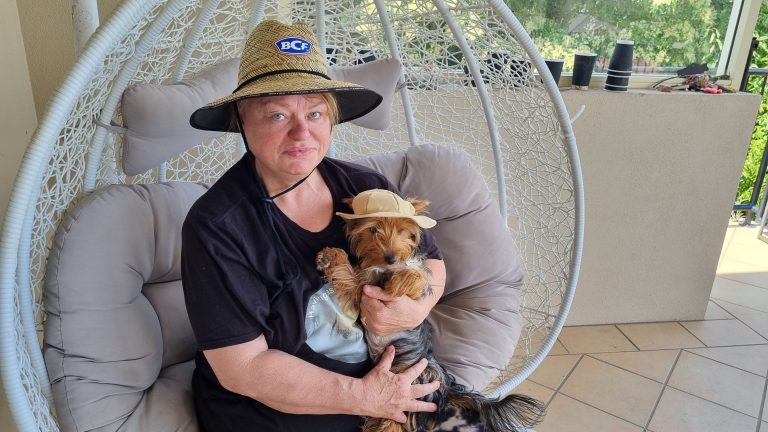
293,45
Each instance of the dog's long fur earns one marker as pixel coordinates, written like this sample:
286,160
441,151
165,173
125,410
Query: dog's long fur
387,252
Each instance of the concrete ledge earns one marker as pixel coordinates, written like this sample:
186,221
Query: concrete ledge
660,174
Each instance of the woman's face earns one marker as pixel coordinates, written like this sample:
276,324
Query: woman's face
288,135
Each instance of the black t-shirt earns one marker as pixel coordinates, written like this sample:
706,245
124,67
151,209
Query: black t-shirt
249,270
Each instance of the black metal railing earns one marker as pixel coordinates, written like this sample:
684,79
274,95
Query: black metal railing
756,205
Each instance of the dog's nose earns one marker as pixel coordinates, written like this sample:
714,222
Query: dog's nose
390,259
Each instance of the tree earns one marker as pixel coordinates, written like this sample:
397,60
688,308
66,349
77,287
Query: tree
666,32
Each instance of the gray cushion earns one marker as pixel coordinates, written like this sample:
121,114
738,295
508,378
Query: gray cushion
477,322
156,117
114,302
381,76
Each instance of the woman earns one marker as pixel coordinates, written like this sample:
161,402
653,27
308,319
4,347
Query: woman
270,354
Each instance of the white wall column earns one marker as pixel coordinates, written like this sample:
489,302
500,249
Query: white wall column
17,121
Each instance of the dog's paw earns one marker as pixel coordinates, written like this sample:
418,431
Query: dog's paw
329,257
323,260
408,282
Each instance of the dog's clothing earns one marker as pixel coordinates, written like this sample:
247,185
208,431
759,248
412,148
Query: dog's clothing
233,290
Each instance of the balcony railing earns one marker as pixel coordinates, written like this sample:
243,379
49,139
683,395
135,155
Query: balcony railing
756,205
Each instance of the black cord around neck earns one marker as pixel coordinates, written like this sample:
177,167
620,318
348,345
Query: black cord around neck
295,185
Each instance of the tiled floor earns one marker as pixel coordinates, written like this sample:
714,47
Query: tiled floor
669,377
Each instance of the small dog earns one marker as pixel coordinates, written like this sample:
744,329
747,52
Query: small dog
384,234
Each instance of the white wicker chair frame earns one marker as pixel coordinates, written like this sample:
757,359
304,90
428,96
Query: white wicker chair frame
511,122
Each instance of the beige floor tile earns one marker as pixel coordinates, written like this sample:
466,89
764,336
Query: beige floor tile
616,391
751,243
681,412
764,427
553,370
723,333
738,390
594,339
728,266
756,320
558,349
658,336
729,233
747,236
715,312
534,390
740,293
749,252
752,358
740,273
650,364
567,415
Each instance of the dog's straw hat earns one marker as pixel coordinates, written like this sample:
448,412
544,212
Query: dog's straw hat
284,59
384,203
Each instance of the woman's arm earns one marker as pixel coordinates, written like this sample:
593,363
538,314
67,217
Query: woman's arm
289,384
385,314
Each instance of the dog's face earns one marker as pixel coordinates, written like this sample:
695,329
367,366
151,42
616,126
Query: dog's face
383,241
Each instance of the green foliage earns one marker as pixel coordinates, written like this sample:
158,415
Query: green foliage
670,33
760,134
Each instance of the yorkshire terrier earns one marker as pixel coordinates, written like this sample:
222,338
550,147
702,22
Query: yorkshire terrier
384,234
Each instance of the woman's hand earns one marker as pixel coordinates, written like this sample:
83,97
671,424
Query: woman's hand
383,314
390,395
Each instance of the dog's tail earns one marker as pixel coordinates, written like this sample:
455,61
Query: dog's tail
513,413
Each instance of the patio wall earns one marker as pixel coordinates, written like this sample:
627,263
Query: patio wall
17,114
17,121
660,175
50,53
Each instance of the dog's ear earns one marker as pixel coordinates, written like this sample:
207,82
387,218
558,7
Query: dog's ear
348,201
419,205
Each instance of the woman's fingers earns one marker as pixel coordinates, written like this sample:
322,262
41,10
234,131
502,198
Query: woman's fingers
385,361
414,371
400,417
421,390
395,394
386,315
421,406
377,293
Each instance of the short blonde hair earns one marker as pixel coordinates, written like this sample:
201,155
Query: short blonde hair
329,98
333,106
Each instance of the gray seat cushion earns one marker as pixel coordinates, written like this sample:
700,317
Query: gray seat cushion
118,343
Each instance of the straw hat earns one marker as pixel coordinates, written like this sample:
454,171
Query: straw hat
384,203
284,59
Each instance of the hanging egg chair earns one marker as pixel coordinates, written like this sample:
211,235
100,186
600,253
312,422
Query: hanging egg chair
468,86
